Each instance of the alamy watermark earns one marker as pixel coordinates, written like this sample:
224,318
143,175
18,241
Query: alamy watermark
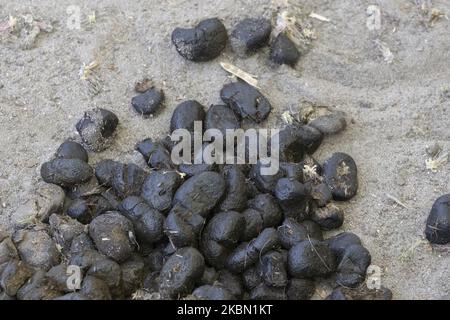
235,146
74,275
373,280
373,21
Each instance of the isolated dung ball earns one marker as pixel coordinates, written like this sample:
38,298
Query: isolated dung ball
203,42
97,127
149,102
340,174
250,34
438,223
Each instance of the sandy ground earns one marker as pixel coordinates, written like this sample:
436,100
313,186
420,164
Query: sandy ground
397,109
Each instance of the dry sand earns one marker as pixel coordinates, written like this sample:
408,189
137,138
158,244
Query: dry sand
397,109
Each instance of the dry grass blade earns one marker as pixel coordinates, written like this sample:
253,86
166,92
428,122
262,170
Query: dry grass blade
386,52
86,70
241,74
396,200
408,254
319,17
436,162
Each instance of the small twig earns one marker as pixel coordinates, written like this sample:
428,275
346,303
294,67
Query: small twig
396,200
